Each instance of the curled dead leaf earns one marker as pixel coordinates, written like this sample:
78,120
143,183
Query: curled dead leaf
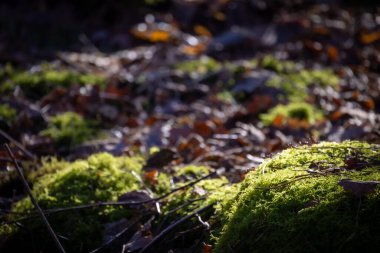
359,188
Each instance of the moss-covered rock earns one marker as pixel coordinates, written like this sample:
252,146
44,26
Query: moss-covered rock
294,203
69,128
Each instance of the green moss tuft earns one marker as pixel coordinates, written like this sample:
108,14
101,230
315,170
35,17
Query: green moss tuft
7,114
69,128
284,207
38,83
294,81
199,67
298,111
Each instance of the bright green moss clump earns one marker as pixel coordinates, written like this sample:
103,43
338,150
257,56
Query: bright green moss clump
69,128
101,177
294,203
302,114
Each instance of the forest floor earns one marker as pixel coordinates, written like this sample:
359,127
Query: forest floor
219,83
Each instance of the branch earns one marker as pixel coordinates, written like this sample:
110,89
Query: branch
34,201
172,226
18,145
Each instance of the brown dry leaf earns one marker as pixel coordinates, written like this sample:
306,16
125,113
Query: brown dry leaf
160,159
359,188
368,38
368,103
332,53
204,128
336,115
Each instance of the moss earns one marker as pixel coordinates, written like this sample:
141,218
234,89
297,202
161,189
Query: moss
199,67
192,171
69,128
205,191
38,83
296,112
295,81
284,207
101,177
7,114
272,63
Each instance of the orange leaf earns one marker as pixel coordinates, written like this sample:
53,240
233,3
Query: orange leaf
193,50
159,36
368,38
206,248
278,120
151,176
368,103
336,115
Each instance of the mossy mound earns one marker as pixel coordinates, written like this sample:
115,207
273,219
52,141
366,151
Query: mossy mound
294,203
101,177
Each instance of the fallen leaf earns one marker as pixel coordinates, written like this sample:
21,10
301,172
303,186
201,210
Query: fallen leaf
359,188
160,159
135,196
151,176
368,38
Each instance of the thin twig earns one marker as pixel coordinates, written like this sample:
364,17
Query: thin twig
124,203
115,237
172,226
17,144
112,203
29,191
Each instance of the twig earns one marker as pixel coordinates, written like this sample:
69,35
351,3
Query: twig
17,144
29,191
124,203
172,226
114,238
112,203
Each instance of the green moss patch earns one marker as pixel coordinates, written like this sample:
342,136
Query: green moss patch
69,128
7,114
39,82
199,67
296,113
295,81
294,203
